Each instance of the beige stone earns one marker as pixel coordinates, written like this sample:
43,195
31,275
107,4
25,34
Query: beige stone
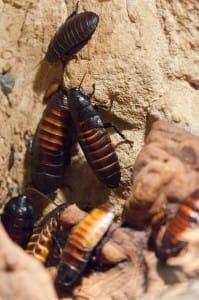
143,56
17,274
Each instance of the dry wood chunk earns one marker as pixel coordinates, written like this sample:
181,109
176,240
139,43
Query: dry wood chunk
121,282
127,278
72,215
166,170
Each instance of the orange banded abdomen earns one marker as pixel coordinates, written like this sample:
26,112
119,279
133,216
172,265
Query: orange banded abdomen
100,154
44,234
82,241
52,144
186,216
40,243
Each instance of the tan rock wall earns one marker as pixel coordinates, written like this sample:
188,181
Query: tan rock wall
143,56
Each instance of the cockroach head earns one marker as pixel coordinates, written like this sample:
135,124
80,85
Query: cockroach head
93,20
77,99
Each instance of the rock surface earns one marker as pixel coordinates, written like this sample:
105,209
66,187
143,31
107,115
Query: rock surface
143,56
165,171
17,274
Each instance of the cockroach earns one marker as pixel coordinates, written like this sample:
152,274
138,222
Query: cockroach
43,235
187,214
73,34
156,222
18,219
79,247
159,218
52,144
93,137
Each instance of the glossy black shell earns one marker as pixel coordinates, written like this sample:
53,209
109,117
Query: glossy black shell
94,138
67,275
18,219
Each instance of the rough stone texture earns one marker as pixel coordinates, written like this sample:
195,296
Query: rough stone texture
143,56
17,274
166,170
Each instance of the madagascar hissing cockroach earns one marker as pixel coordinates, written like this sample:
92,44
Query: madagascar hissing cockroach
18,219
83,239
43,235
93,137
187,214
73,34
52,144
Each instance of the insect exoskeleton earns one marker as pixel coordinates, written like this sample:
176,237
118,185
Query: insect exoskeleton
18,219
93,138
186,216
72,35
81,243
52,143
44,234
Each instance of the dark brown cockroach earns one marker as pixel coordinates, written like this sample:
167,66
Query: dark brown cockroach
44,234
79,247
52,144
93,137
73,34
18,219
187,214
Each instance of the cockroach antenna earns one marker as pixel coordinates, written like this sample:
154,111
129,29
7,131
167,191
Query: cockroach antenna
80,85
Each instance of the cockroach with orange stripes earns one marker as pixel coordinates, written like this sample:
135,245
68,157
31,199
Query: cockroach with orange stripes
93,137
18,219
81,243
186,216
44,234
52,143
73,34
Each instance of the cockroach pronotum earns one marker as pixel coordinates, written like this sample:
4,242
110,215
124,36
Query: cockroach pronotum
52,144
18,219
73,34
81,243
187,214
93,137
43,235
